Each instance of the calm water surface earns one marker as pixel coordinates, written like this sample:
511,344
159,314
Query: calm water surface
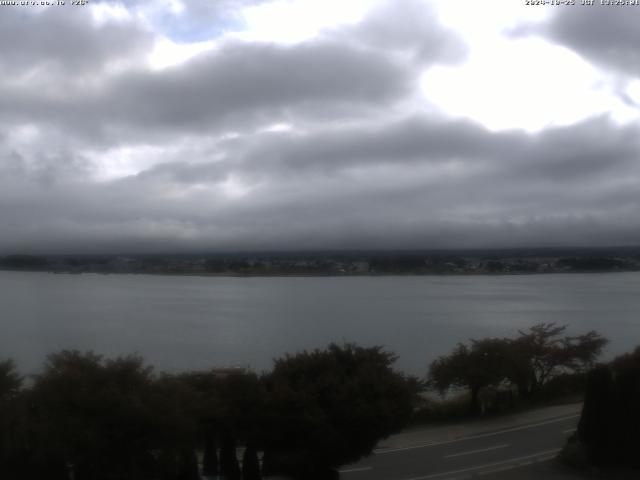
197,322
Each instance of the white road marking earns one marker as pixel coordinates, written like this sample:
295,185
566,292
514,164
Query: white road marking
570,430
471,452
350,470
517,465
473,437
515,461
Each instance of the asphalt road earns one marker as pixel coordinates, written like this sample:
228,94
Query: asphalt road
467,457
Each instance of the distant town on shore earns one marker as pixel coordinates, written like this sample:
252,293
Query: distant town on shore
337,263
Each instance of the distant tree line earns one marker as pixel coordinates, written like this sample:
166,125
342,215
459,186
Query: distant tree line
353,263
593,264
85,417
525,364
24,262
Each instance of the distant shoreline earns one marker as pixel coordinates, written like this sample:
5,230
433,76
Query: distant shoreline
325,275
331,265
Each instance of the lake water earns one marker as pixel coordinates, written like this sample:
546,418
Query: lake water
198,322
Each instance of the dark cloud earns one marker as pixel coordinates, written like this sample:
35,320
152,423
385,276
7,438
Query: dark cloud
406,143
64,41
243,80
607,35
239,86
588,150
409,28
592,149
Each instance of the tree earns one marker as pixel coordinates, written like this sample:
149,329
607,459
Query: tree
541,353
528,361
10,420
250,464
609,426
331,407
229,466
96,404
10,381
112,418
474,367
626,370
210,455
173,407
594,427
230,408
188,465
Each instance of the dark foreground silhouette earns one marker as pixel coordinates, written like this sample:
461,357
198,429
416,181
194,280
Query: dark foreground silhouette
90,418
608,434
86,417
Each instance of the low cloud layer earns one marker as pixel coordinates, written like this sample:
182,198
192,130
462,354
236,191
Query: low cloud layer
326,143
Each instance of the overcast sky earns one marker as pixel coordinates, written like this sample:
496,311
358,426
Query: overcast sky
217,125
